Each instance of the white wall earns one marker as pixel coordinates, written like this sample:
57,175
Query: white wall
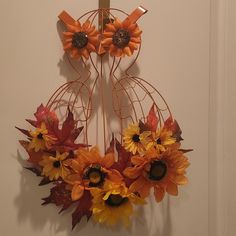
187,66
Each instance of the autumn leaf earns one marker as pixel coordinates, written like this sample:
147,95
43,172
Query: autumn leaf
83,209
152,119
111,148
34,157
35,170
44,114
66,136
123,157
59,196
24,131
173,126
143,127
185,150
45,181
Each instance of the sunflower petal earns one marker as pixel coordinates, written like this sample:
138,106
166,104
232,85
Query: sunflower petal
77,192
132,172
172,189
141,186
108,160
110,27
159,193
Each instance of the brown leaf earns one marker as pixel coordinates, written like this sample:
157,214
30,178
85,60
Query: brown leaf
143,127
59,196
24,131
34,157
186,150
123,157
173,126
111,148
35,170
83,209
45,181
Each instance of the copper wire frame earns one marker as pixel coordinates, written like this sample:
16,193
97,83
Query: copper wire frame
131,95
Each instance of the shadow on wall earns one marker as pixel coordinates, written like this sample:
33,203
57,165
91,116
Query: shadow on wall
100,84
29,209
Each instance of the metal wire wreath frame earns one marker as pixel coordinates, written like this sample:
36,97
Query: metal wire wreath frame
132,96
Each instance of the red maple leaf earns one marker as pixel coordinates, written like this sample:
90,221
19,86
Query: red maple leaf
63,138
83,209
173,126
59,196
34,157
123,157
44,114
152,119
66,136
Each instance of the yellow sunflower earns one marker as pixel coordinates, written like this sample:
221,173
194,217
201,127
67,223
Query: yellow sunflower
121,38
113,204
134,139
54,167
163,172
161,139
80,40
40,139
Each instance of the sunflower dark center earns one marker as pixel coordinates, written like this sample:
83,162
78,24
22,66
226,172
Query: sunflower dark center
56,164
95,176
80,40
121,38
136,138
40,136
158,170
116,200
158,141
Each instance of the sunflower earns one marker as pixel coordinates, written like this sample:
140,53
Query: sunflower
90,170
113,204
121,38
161,139
40,139
80,40
54,166
164,172
134,139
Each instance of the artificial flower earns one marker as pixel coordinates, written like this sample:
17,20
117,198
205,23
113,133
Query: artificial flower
90,170
121,38
80,40
163,172
40,138
113,203
161,139
54,166
134,139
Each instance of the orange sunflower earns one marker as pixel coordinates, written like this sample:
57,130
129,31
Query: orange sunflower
164,172
90,170
80,40
121,38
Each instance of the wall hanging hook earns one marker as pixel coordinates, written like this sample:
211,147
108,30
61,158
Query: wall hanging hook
103,18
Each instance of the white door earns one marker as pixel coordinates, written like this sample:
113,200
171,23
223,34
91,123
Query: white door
188,53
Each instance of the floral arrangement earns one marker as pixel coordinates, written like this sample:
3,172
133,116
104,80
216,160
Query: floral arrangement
106,187
148,159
